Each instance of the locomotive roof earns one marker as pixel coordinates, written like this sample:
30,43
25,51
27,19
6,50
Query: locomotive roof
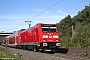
24,30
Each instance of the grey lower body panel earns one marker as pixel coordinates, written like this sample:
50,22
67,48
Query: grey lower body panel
30,43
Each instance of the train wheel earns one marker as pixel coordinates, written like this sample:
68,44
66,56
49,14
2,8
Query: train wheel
23,47
35,49
31,48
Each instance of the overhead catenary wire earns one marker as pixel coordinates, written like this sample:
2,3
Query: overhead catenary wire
42,11
39,8
46,9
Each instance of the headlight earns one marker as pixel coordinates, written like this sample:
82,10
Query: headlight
44,44
57,44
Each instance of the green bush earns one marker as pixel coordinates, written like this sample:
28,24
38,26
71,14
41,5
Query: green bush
6,55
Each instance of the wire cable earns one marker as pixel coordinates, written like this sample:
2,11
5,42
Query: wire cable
46,9
40,12
38,8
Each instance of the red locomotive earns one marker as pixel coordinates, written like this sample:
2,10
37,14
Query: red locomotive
41,37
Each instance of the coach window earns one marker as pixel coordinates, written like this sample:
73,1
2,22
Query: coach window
36,30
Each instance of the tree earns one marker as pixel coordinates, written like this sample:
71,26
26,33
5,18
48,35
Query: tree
79,35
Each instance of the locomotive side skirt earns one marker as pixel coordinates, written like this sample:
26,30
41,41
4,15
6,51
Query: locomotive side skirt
29,43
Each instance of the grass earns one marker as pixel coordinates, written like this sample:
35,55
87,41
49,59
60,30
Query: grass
4,55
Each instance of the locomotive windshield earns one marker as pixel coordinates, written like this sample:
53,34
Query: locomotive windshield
48,29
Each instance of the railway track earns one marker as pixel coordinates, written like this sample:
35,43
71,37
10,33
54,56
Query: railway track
30,55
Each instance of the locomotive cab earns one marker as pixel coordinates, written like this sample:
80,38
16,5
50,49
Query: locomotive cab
49,37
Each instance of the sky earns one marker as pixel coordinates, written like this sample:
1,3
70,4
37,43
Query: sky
14,13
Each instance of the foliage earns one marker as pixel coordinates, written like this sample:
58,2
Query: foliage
1,38
5,54
75,32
